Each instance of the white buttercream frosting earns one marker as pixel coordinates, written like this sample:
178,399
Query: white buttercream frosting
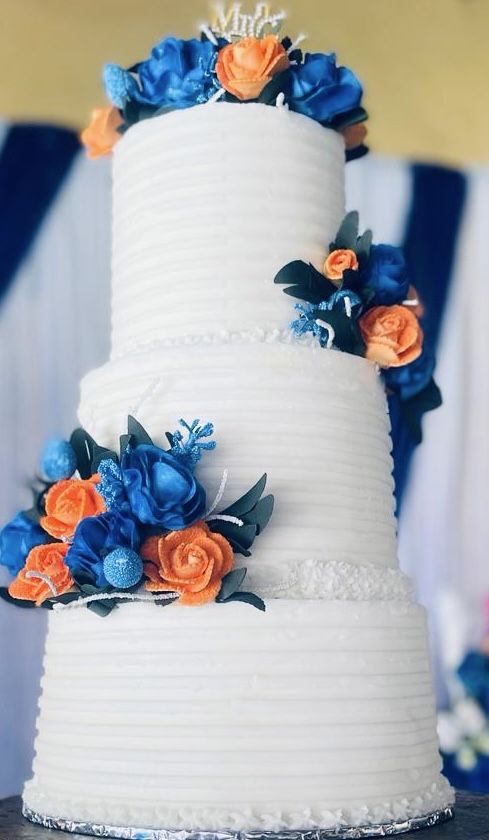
209,203
318,712
315,420
313,713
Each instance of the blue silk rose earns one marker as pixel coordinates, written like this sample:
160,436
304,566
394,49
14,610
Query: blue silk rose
17,538
386,275
409,380
178,74
160,489
95,537
321,90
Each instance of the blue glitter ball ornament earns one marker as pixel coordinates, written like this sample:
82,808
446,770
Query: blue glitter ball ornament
58,460
123,568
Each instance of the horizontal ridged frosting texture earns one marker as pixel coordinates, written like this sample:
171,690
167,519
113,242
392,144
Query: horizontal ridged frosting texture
208,204
315,420
222,717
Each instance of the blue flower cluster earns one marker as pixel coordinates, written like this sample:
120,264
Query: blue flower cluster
181,73
322,90
178,74
147,490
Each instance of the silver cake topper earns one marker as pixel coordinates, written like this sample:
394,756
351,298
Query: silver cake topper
232,24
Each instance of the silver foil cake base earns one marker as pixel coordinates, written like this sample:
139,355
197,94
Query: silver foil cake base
341,833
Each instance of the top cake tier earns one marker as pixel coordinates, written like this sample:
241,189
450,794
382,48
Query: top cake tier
209,203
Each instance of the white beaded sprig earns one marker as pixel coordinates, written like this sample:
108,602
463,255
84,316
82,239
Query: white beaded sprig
104,596
233,24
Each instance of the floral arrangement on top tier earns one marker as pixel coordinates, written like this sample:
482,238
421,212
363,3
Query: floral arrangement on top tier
106,527
239,58
362,302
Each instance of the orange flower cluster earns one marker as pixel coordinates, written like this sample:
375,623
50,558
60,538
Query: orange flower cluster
44,575
191,562
246,67
68,502
392,334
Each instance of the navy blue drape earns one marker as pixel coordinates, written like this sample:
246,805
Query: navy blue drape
34,161
431,238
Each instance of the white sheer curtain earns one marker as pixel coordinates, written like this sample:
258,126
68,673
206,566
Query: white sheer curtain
53,328
54,325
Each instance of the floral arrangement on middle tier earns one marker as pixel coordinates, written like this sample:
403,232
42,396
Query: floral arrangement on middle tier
107,526
362,303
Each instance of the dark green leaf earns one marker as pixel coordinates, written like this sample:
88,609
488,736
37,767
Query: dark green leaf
245,503
356,153
347,333
17,602
231,583
66,598
352,117
242,535
412,410
348,232
308,283
247,598
296,271
100,453
102,608
305,294
138,433
277,84
82,444
362,248
165,602
260,515
229,97
124,442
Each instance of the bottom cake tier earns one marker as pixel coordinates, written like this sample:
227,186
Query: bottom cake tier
312,715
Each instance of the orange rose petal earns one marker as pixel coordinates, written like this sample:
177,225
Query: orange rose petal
47,560
354,135
102,133
149,549
195,599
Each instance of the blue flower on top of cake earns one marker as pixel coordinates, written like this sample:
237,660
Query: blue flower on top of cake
95,538
178,74
17,538
321,90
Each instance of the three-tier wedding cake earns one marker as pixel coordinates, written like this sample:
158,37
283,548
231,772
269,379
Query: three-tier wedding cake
314,711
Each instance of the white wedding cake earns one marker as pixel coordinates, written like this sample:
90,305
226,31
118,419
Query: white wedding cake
319,712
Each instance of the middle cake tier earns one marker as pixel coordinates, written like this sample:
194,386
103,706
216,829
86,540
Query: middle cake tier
316,421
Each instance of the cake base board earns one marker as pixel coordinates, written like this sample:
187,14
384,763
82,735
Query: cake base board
389,829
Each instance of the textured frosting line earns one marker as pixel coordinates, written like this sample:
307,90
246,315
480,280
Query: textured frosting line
315,420
437,798
224,717
208,204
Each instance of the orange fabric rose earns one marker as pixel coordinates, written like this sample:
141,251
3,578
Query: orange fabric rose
191,562
337,262
354,135
101,135
392,334
68,502
44,575
244,68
